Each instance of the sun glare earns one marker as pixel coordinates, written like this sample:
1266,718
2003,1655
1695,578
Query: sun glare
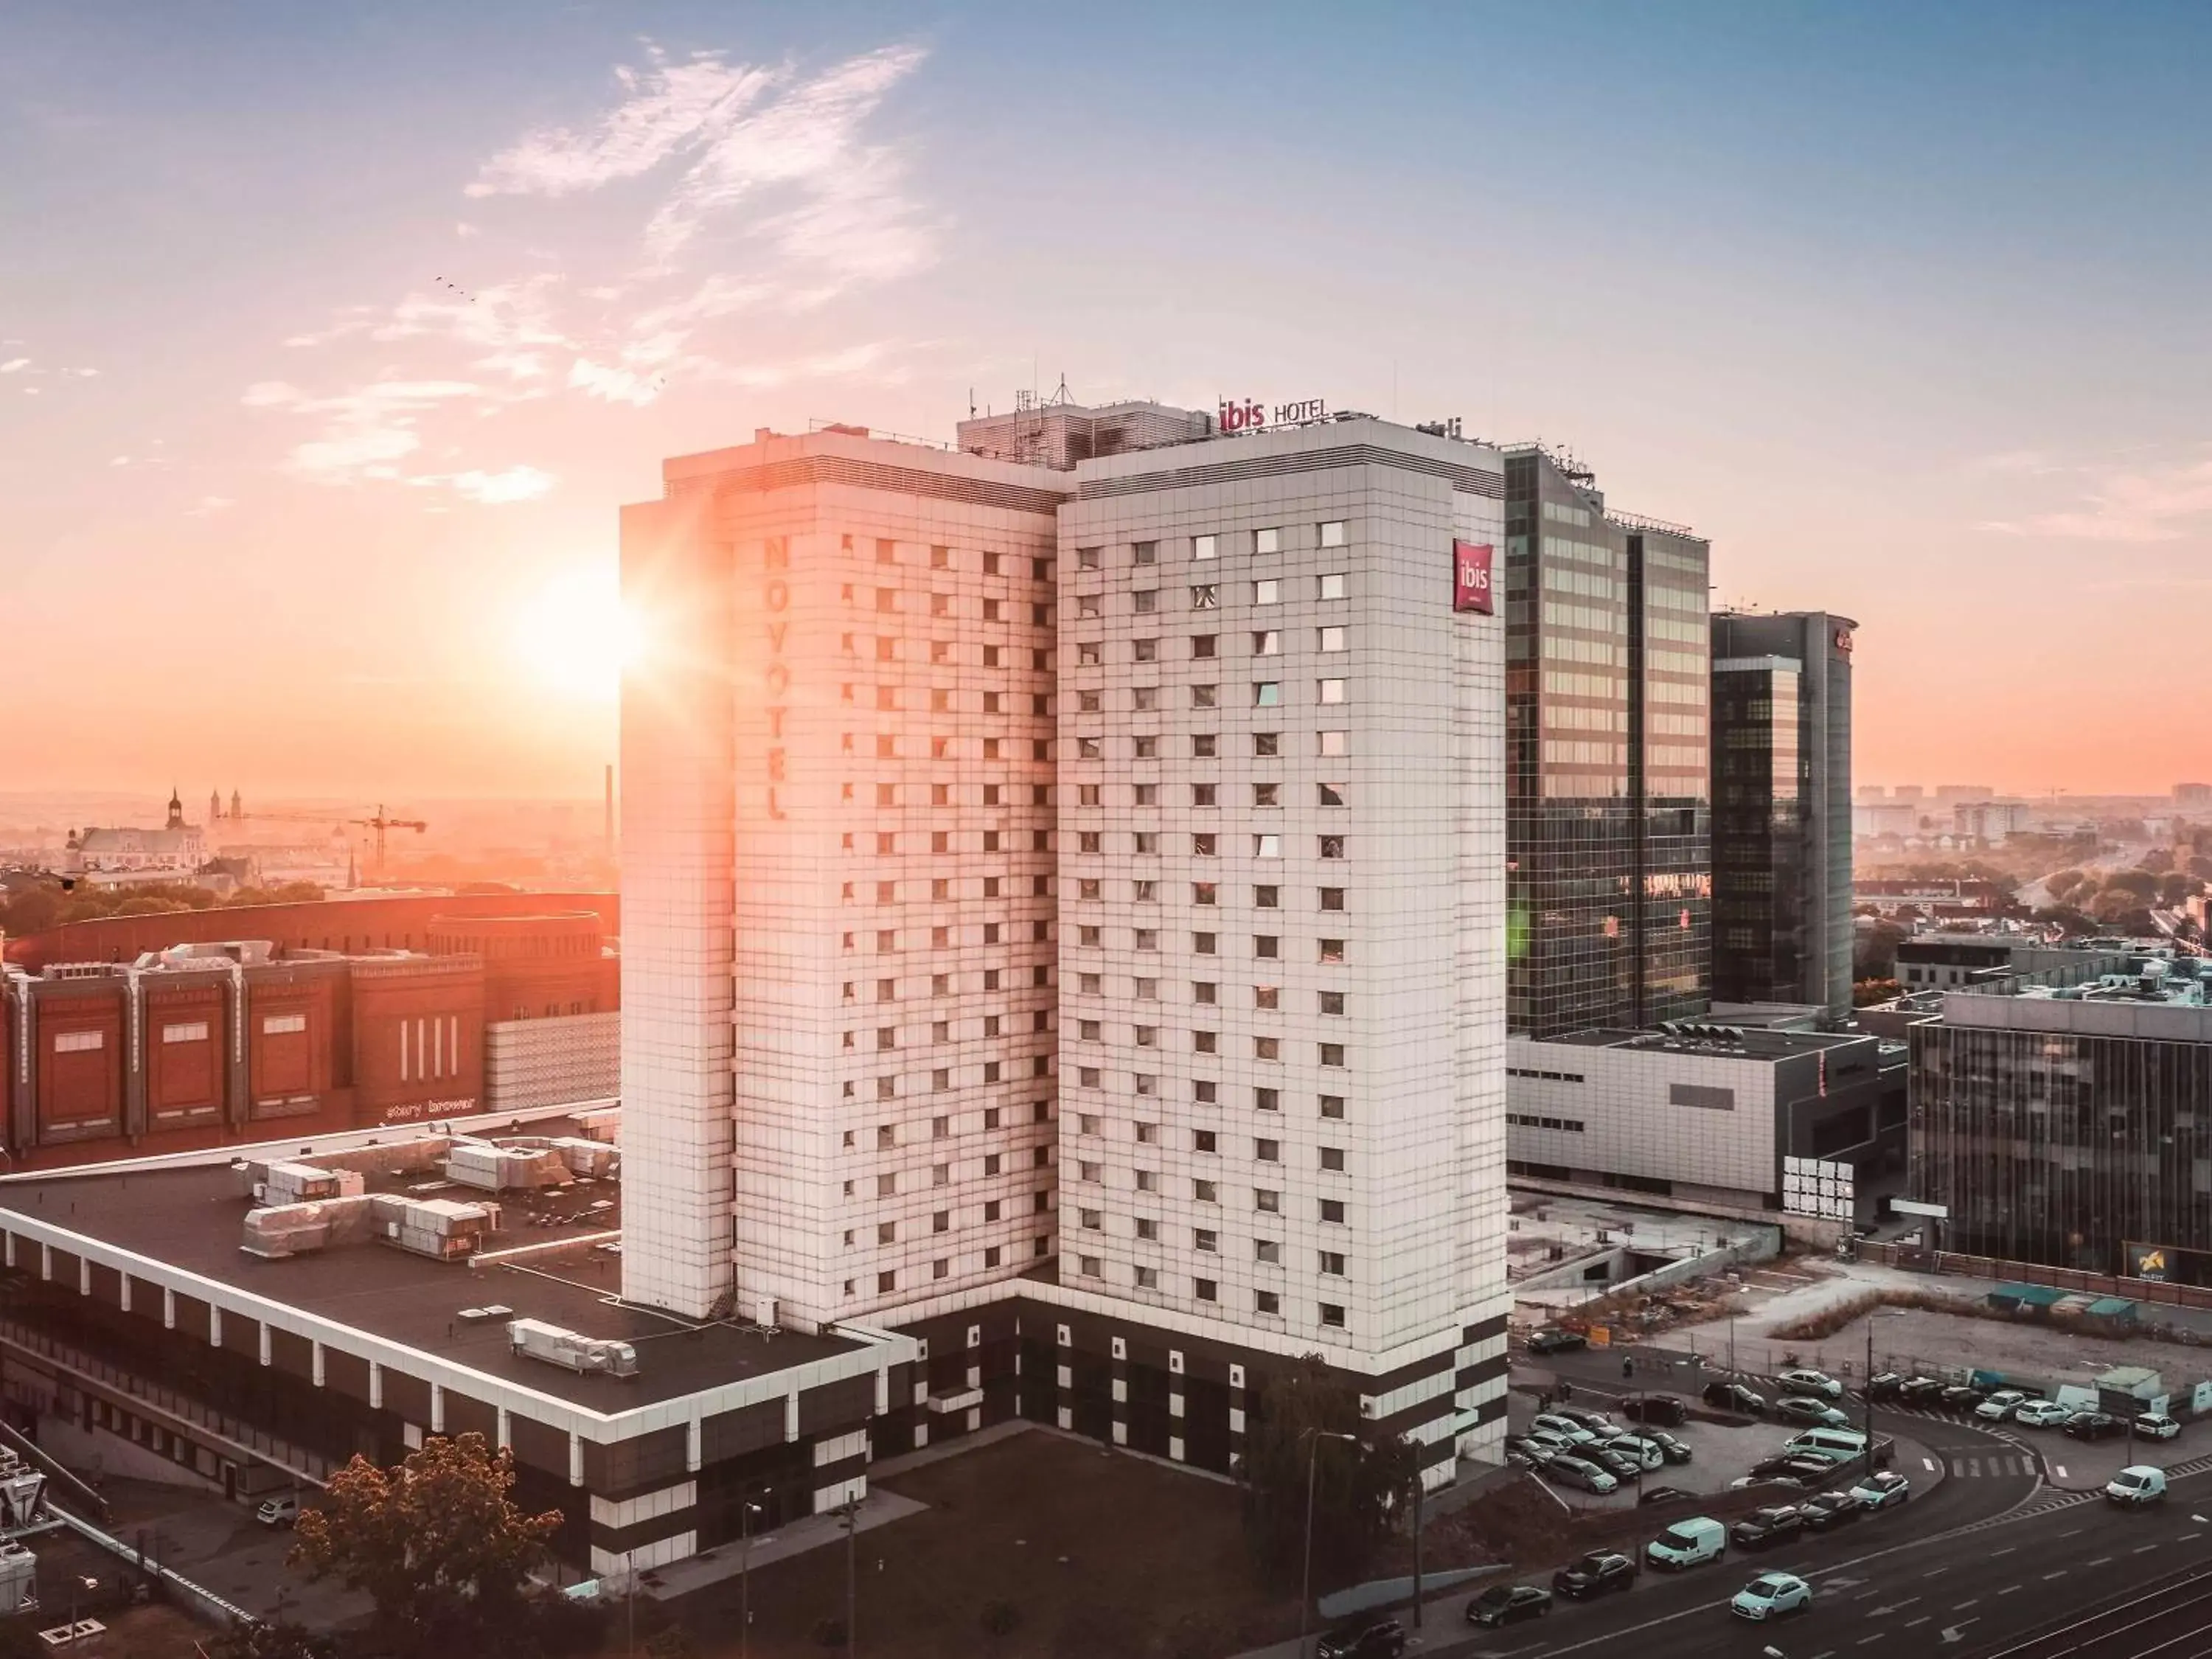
575,635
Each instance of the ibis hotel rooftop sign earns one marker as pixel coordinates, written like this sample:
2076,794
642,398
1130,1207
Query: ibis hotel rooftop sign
1245,415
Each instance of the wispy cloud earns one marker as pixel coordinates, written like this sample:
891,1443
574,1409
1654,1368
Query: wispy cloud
2161,503
752,190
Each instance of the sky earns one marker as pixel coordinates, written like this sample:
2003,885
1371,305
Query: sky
331,337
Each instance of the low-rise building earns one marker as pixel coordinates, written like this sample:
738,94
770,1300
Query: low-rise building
2072,1125
1702,1115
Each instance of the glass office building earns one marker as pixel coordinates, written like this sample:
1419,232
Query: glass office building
1782,818
2073,1129
1607,808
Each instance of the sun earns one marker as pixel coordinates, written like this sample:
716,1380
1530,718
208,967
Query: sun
575,636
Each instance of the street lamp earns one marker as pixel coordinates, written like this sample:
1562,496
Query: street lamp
746,1511
1305,1577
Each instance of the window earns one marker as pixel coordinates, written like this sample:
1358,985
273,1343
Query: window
187,1032
1267,1152
1267,1250
886,1282
1267,1047
1087,1266
1332,692
1267,1200
1204,745
1148,1279
1205,1043
1144,552
1146,794
1148,939
1148,990
1332,1157
1148,600
272,1024
1329,585
1331,744
1087,653
1205,892
1148,1181
1089,749
1148,1231
1266,946
1206,991
1266,694
1267,898
1204,1140
1332,898
1204,646
1147,841
1205,596
1267,1302
1332,1210
1329,639
1206,1239
1148,1036
1330,794
1089,606
1267,847
1332,1105
1206,1192
1205,846
1332,1315
1086,558
1146,650
1205,697
1331,1002
1268,1100
1332,950
1267,540
1145,698
1090,1170
1204,547
1333,533
1205,1092
79,1043
1332,846
1205,1290
1206,944
887,1232
1268,642
1269,592
1148,748
1332,1053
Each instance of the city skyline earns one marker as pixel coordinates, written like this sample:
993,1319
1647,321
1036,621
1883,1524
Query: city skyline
337,351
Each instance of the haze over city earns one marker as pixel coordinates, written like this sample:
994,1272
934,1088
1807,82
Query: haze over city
334,336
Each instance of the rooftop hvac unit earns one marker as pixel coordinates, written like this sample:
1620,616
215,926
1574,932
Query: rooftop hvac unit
438,1227
764,1312
589,1355
21,1492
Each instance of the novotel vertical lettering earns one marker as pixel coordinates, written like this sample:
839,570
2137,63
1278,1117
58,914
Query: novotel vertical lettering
775,598
1471,577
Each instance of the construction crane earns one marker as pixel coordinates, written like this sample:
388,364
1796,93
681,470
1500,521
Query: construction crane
380,823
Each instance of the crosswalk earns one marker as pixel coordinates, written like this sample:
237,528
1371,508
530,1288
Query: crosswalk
1973,1467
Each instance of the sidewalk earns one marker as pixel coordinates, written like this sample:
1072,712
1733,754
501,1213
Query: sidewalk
714,1566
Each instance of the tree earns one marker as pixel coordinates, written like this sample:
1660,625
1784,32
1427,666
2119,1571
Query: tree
1874,950
436,1543
2142,885
1355,1485
262,1640
2067,920
2062,885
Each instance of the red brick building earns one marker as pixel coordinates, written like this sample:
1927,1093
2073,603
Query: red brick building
135,1035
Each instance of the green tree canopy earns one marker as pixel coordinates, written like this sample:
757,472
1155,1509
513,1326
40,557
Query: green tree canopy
1356,1485
438,1545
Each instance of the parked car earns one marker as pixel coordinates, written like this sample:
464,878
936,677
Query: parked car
1919,1391
1617,1463
279,1511
1664,1495
1800,1409
1812,1382
1959,1398
2039,1414
1532,1452
1558,1341
1572,1470
1771,1595
1825,1509
1368,1638
1564,1429
1596,1422
1884,1385
2136,1486
2156,1425
2001,1405
1647,1453
1777,1523
1678,1451
1883,1490
1790,1465
1508,1604
1688,1544
2095,1426
1662,1409
1595,1574
1734,1397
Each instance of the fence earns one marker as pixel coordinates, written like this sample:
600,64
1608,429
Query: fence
2032,1272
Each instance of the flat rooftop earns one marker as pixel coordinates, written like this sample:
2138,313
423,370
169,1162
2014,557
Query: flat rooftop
1714,1039
189,1217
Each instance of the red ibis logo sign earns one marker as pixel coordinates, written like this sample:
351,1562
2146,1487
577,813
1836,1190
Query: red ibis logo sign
1244,415
1471,577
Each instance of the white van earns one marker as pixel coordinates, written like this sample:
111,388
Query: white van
1688,1544
2136,1486
1837,1445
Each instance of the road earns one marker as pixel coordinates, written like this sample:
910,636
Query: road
2009,1586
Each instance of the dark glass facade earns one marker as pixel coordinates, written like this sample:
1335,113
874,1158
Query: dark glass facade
1608,889
2065,1147
1782,789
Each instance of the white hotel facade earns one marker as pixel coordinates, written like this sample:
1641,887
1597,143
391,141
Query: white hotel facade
1065,922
